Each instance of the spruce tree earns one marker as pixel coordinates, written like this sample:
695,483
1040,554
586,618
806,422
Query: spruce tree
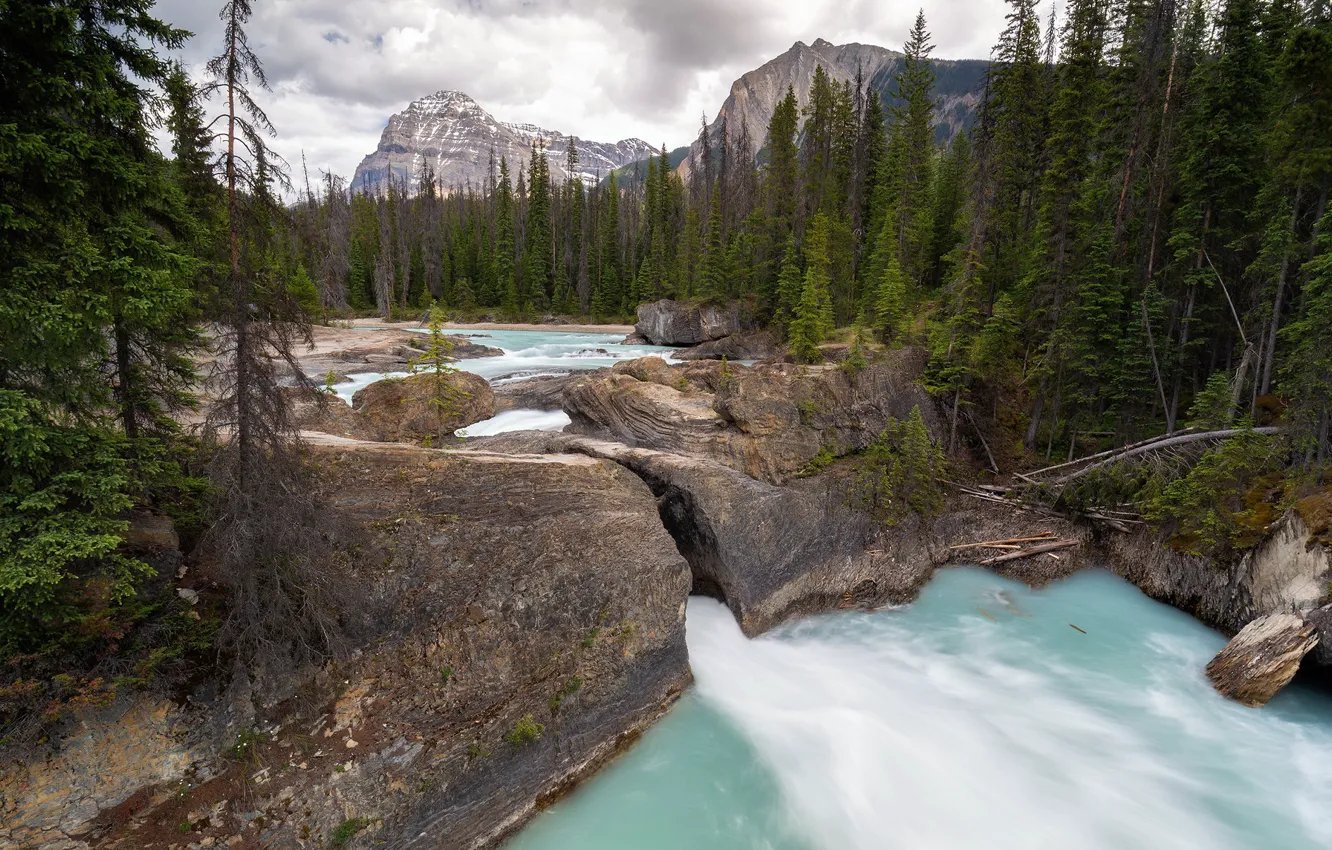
813,319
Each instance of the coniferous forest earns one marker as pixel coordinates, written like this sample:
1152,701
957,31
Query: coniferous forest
1138,217
1133,239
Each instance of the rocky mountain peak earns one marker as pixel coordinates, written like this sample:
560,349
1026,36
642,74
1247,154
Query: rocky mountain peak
451,134
755,95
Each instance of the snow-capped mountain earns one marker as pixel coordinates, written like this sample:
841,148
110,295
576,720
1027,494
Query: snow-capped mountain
454,136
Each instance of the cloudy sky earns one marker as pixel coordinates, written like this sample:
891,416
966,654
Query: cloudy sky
593,68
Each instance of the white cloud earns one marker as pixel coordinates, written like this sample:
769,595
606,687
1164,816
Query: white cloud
600,70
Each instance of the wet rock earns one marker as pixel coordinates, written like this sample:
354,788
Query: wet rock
667,322
750,345
1260,660
635,338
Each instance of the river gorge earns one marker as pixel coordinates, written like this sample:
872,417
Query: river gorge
619,612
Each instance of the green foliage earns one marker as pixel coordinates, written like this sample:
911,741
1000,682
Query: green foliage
436,361
890,302
1211,408
813,319
899,473
526,731
1214,510
821,461
345,832
303,290
568,689
63,494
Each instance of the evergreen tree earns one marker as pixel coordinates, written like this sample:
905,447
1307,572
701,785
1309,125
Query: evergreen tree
813,319
712,281
890,301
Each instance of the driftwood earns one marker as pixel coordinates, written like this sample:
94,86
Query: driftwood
1045,535
1027,553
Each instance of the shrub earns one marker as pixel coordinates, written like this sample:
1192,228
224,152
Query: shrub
525,732
1223,504
898,474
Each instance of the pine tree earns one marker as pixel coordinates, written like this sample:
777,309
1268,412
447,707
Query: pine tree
890,301
790,281
780,176
505,282
436,362
712,281
913,138
813,319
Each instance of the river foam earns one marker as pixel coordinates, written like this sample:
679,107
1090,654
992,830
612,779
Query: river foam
977,717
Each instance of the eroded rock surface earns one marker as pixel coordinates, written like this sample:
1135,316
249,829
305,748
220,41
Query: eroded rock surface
767,421
529,623
750,345
667,322
1260,660
772,553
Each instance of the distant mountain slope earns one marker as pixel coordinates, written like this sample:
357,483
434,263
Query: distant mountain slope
455,136
755,95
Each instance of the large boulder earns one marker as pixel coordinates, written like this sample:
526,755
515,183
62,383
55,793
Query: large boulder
749,345
767,421
530,624
405,408
395,409
669,322
1262,658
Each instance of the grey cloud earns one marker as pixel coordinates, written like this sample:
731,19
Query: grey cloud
593,68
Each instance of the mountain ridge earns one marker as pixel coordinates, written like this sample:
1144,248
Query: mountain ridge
755,95
452,134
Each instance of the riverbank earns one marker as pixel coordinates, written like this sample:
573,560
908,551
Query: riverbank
500,326
530,590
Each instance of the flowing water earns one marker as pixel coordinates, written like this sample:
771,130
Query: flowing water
527,354
976,717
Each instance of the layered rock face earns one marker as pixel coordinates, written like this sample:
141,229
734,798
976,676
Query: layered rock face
1262,658
529,614
754,97
667,322
452,135
767,421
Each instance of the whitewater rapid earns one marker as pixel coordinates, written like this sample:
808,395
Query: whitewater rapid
527,354
976,717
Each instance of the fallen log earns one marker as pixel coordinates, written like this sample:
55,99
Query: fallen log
1045,535
1027,553
1158,445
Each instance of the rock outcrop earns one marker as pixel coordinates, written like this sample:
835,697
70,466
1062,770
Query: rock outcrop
1262,658
1283,574
529,623
753,98
452,134
773,553
541,392
396,409
405,408
667,322
768,421
750,345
